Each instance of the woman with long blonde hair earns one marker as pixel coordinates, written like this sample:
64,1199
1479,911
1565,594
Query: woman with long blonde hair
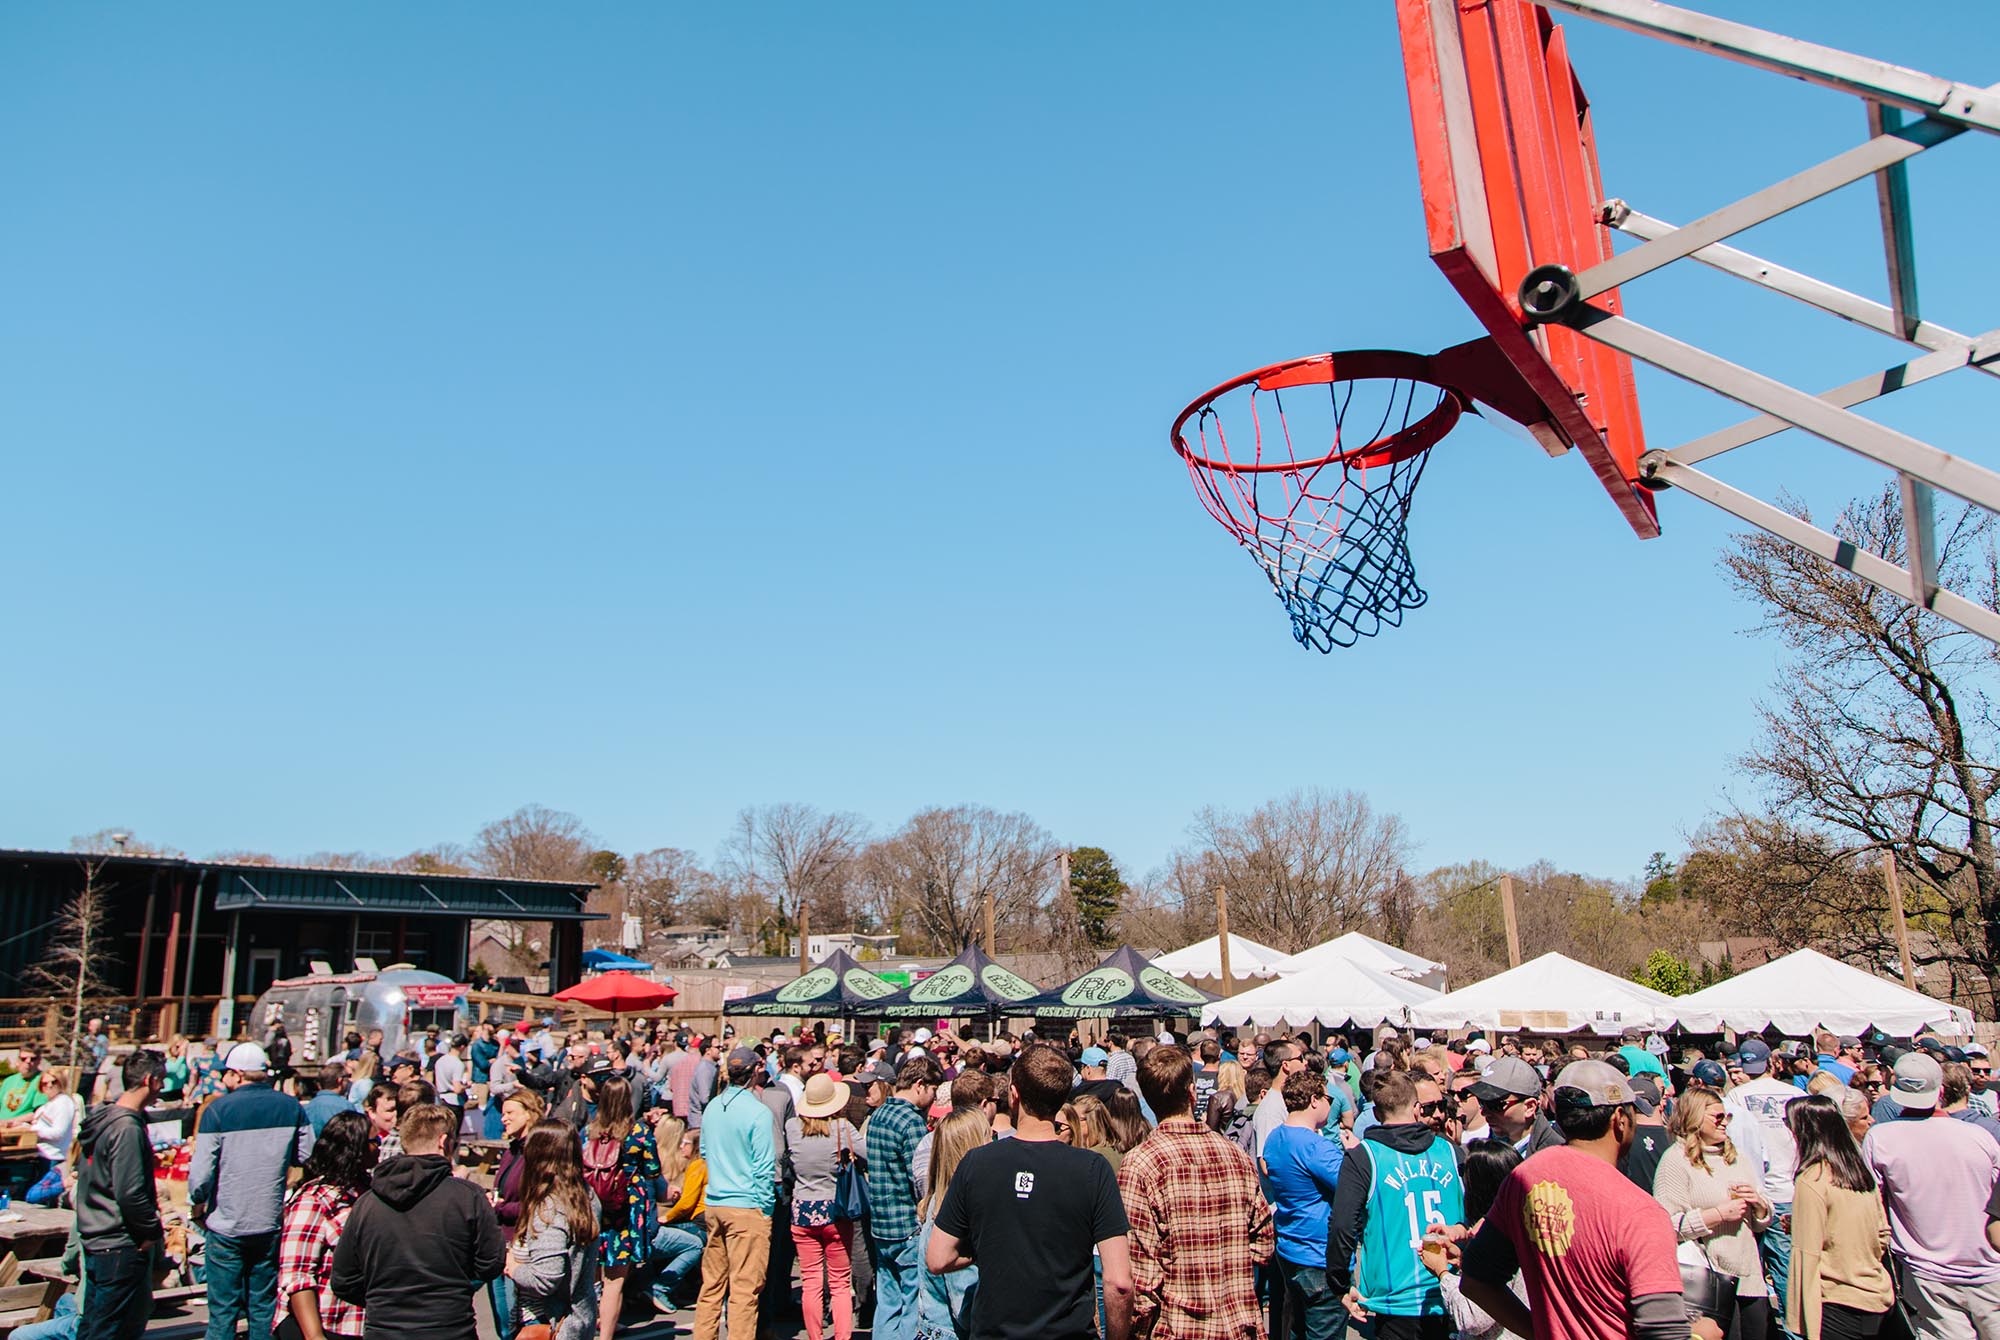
677,1244
553,1259
1710,1191
1229,1110
1093,1131
943,1301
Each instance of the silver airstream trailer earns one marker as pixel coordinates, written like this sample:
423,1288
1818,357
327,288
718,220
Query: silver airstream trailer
318,1011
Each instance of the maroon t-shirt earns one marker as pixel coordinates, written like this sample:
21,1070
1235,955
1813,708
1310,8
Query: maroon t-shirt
1586,1240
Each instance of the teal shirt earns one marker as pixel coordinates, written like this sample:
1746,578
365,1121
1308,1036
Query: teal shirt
742,1155
1408,1193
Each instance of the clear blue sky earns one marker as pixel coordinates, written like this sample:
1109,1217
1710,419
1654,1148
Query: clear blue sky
411,412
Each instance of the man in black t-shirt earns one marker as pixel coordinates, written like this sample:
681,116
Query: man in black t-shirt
1649,1134
1205,1076
1028,1211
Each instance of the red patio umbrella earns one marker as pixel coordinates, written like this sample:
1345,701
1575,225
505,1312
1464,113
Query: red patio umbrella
618,993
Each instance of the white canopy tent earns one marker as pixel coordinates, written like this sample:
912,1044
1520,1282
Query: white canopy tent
1333,991
1369,952
1247,960
1551,994
1805,990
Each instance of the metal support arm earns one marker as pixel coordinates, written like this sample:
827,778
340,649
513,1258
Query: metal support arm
1967,614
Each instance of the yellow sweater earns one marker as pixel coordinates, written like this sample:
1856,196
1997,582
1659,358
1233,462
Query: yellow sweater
1838,1237
694,1188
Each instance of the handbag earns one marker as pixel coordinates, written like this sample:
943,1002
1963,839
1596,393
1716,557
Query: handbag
1707,1290
850,1185
1897,1323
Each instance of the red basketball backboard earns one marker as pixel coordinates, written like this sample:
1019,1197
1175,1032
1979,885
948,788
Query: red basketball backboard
1508,167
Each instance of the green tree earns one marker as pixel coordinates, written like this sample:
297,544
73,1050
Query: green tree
1099,889
1666,972
1663,881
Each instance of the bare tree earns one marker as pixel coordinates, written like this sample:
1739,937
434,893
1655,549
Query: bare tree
75,958
1301,868
534,842
796,856
1880,735
933,875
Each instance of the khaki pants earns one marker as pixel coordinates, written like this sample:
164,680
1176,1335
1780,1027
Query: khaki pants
732,1265
1940,1311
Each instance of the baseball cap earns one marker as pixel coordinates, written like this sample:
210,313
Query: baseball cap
247,1056
877,1045
1421,1044
1710,1074
1955,1055
1341,1056
1754,1056
1646,1095
1930,1044
1479,1045
921,1035
744,1056
1846,1040
597,1066
1591,1084
882,1071
1508,1077
1975,1049
1918,1079
1093,1056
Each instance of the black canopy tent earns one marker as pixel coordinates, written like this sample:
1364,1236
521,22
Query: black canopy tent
970,986
1123,985
836,987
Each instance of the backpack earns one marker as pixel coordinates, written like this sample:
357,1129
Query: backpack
603,1175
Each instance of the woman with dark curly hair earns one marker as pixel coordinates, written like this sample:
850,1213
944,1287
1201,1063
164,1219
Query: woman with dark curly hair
336,1173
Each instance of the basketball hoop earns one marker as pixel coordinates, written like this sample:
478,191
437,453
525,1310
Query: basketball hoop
1321,497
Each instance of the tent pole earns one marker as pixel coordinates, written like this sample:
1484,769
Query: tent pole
1222,939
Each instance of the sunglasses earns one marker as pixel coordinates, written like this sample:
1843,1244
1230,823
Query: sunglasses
1433,1109
1982,1070
1876,1084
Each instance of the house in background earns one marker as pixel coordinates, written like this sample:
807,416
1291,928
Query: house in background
862,947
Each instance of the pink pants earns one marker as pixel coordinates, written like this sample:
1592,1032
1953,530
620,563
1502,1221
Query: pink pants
825,1265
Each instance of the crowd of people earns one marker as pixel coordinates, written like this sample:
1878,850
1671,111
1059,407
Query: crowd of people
932,1187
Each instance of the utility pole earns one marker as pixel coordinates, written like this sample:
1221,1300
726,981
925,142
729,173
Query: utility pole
1222,939
1895,883
1513,921
805,931
992,946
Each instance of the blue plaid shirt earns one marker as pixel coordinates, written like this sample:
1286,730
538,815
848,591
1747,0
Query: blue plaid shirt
893,1133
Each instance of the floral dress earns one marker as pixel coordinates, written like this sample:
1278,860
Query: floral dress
624,1242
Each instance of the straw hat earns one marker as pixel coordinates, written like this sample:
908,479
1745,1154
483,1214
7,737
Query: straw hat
824,1097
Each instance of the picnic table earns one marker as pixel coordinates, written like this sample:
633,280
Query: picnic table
29,1231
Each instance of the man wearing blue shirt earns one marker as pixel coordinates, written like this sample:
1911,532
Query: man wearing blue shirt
1302,1172
742,1156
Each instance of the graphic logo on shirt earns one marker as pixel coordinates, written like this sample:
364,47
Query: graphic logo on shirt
1024,1185
1648,1143
1550,1218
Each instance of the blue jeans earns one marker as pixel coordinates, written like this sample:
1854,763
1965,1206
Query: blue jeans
242,1284
898,1277
119,1296
501,1294
1774,1244
1315,1309
675,1253
61,1326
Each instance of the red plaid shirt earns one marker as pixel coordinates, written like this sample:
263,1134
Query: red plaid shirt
1200,1227
313,1222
